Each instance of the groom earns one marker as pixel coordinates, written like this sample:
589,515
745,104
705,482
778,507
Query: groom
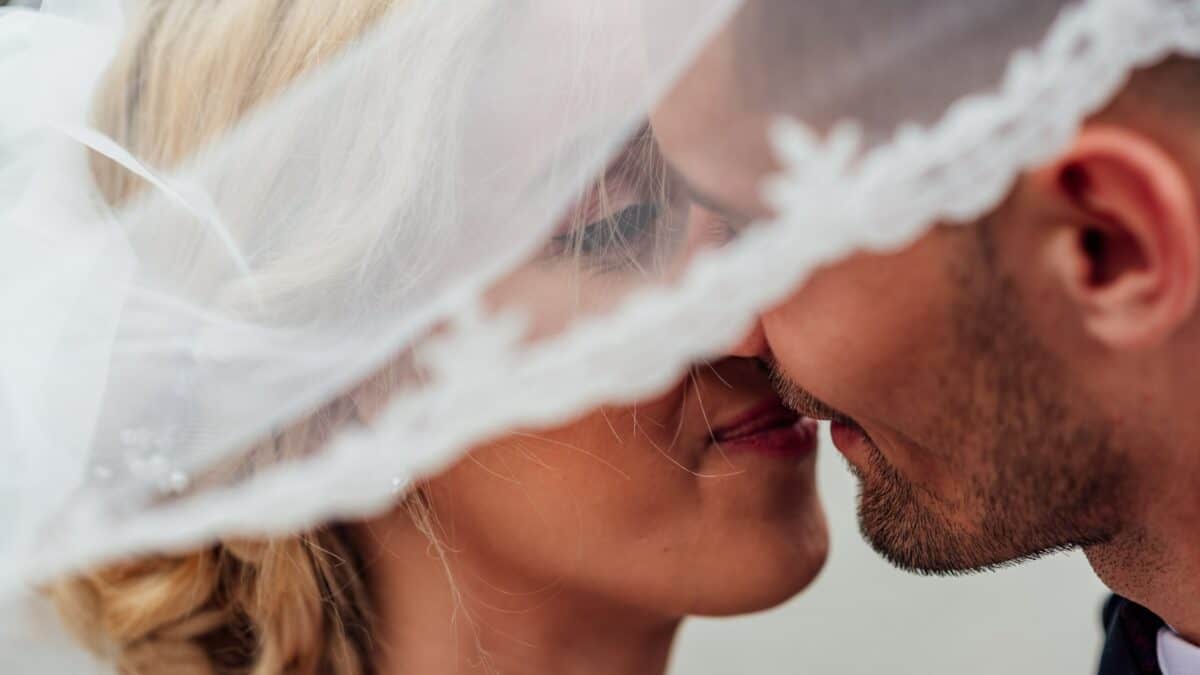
1021,385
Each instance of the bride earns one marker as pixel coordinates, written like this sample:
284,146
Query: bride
573,549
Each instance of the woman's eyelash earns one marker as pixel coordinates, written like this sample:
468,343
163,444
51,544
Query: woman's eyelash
625,227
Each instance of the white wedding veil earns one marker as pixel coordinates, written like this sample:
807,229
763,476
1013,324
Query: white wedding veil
387,226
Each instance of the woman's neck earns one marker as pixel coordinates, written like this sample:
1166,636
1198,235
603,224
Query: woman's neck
440,614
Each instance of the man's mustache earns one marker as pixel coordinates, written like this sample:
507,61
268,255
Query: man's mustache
801,400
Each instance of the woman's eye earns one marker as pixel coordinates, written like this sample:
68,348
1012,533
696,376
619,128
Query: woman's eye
623,234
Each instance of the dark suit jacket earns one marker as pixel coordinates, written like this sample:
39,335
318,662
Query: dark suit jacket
1131,642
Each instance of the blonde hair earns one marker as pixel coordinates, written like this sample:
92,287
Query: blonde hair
298,604
239,53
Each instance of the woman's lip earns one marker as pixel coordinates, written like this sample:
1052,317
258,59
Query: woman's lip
763,417
795,441
769,428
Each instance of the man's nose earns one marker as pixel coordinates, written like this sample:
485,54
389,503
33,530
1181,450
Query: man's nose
753,344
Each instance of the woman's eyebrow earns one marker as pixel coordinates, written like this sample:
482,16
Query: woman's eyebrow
714,205
708,202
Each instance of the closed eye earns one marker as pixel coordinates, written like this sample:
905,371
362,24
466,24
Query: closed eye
620,234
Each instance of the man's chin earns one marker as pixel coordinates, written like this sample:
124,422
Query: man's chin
903,531
917,541
910,552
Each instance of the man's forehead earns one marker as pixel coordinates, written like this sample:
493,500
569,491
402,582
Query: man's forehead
822,63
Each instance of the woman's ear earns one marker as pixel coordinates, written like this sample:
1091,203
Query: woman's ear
1126,246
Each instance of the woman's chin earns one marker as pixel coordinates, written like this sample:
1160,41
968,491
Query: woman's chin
765,582
766,540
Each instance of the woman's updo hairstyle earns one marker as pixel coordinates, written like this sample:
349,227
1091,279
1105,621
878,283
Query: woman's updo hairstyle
188,72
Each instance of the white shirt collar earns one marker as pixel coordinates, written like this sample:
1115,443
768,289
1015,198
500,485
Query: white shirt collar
1177,656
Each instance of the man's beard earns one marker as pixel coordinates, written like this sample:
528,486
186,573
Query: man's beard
1034,476
800,399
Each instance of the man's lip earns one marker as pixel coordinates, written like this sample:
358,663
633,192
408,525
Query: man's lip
765,416
851,440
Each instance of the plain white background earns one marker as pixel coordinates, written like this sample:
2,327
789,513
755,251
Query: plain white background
864,617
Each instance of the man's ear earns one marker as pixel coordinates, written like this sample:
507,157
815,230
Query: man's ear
1126,240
